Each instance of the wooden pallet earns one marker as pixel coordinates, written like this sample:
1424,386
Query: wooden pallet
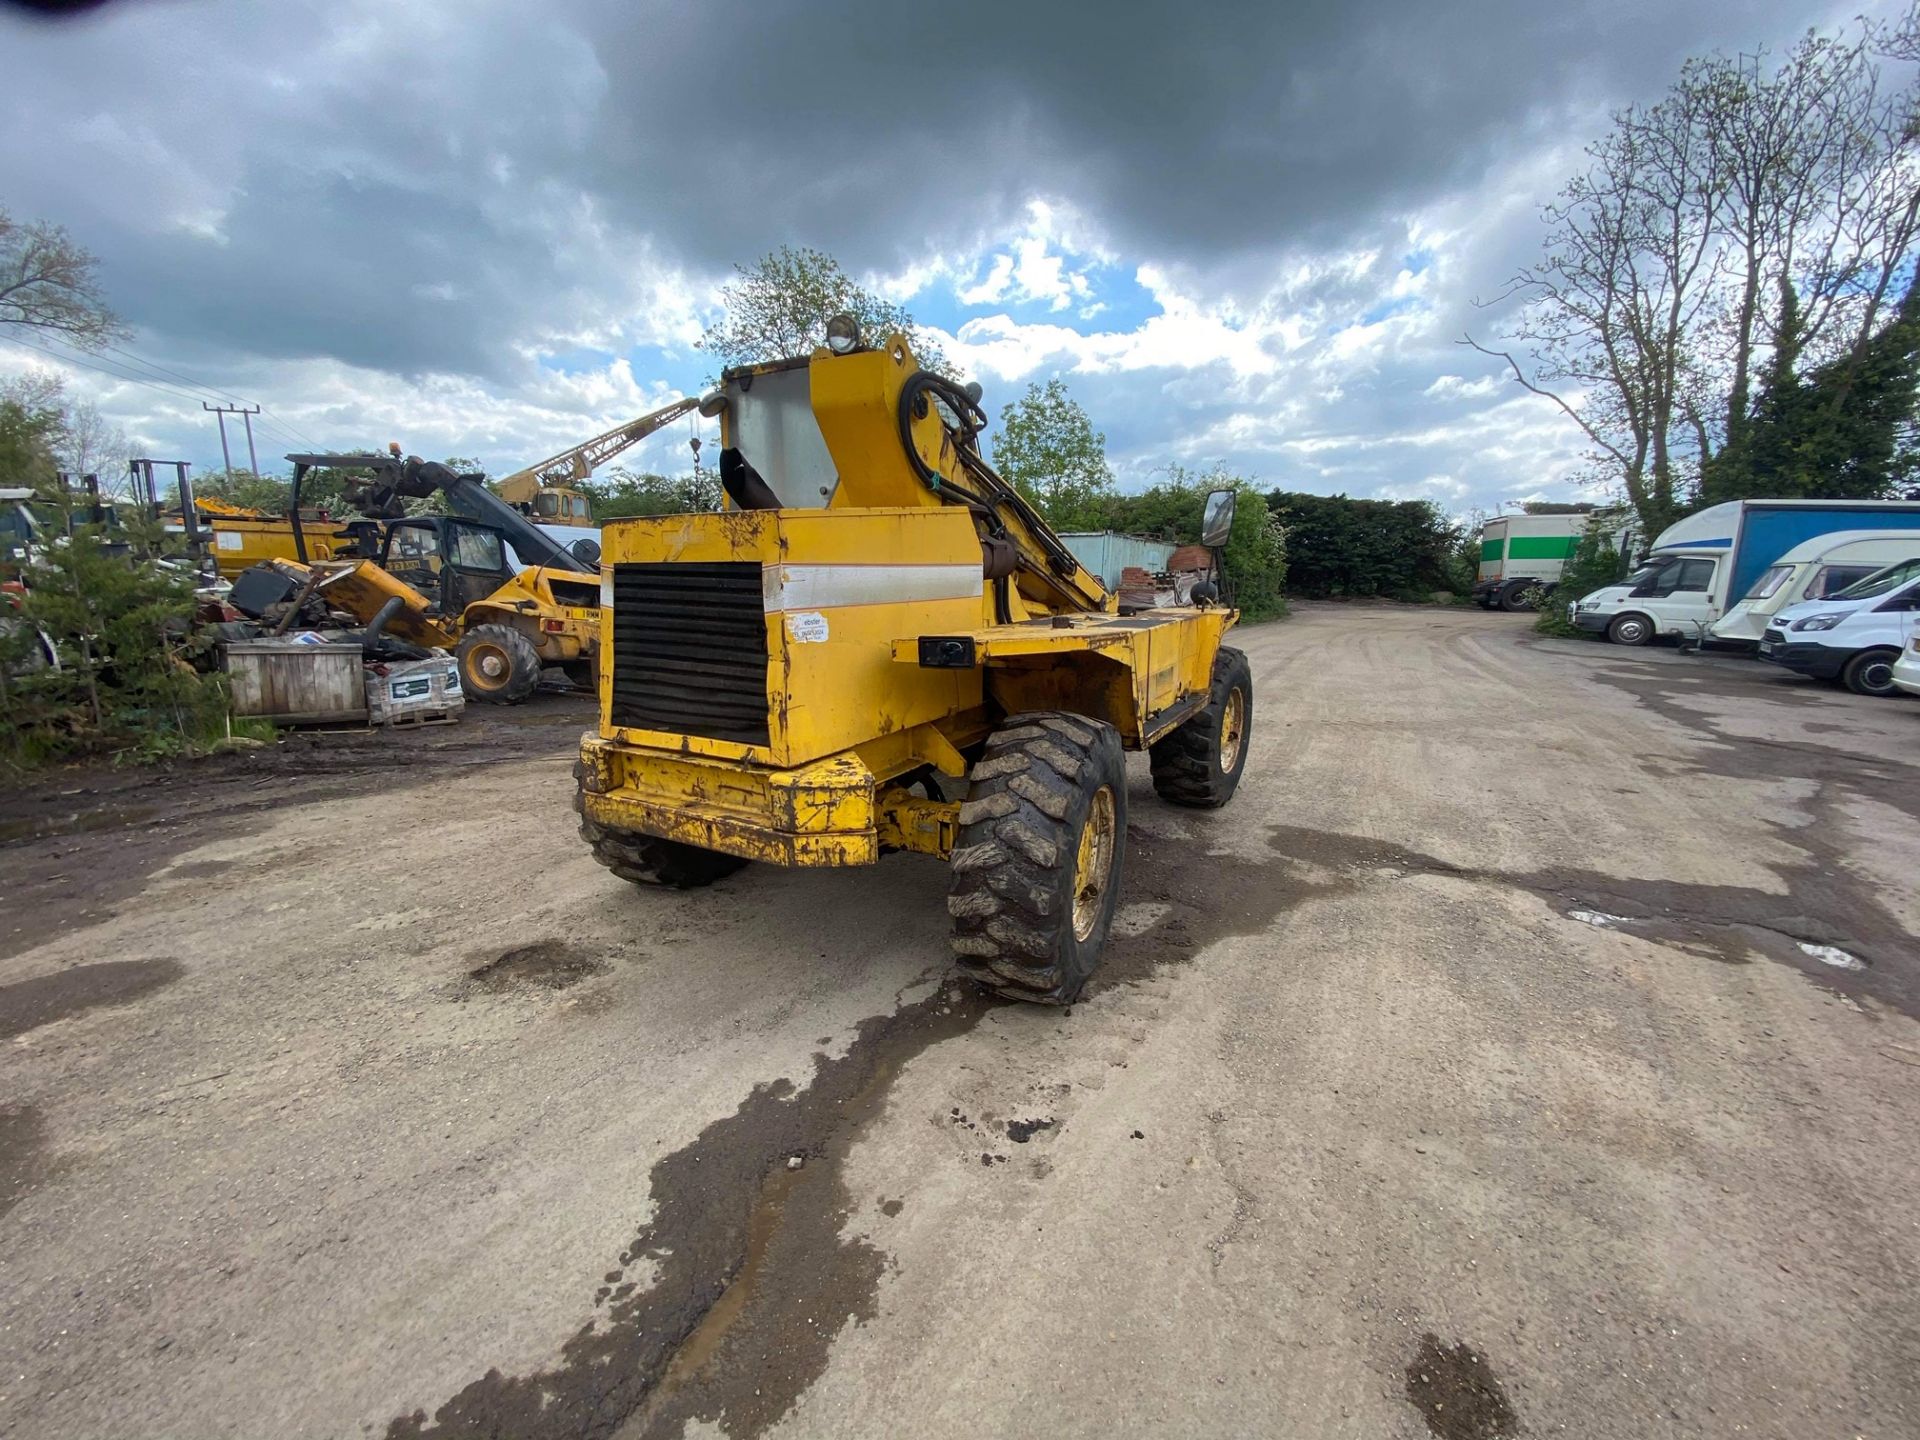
413,720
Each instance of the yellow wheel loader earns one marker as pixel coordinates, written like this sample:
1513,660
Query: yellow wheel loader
879,645
458,582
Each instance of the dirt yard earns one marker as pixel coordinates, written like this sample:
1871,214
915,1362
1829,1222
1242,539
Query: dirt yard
1530,1049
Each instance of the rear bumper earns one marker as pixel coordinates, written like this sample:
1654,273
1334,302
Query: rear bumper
1822,662
823,814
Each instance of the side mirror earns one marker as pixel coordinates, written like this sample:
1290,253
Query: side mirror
1216,522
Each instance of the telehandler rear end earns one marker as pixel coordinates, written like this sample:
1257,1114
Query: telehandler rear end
881,646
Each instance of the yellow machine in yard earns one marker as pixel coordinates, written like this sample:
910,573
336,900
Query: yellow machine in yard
881,646
542,489
457,583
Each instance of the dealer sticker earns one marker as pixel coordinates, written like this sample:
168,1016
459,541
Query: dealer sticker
806,627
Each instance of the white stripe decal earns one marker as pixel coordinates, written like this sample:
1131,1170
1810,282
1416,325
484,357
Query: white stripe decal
823,587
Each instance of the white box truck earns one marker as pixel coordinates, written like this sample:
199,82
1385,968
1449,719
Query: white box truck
1700,566
1519,553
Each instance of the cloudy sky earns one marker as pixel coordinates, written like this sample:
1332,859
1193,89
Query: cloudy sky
1246,233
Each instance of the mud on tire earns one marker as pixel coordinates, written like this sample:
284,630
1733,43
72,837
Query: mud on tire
1038,863
647,859
498,664
1200,763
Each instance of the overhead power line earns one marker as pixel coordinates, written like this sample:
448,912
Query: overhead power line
282,432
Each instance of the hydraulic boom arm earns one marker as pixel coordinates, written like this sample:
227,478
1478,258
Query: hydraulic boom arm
466,494
579,462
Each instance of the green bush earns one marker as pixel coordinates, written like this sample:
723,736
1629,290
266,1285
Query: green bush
1341,547
1595,564
1256,552
125,682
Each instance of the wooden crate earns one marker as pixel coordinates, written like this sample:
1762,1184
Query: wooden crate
294,684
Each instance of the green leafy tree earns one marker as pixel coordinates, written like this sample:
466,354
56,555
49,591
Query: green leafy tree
48,286
1049,449
779,306
1836,433
620,493
27,439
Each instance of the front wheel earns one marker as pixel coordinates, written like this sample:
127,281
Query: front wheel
1630,630
498,664
1040,854
1871,672
1200,763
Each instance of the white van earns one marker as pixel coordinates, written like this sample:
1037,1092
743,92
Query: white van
1814,570
1853,637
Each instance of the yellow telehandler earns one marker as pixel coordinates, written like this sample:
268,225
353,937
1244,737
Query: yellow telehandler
455,576
879,645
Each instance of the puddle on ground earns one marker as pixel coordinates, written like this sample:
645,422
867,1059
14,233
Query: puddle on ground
74,822
1599,919
23,1154
1833,955
1456,1391
1021,1131
28,1004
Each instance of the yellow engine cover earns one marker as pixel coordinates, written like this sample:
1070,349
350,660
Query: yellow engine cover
711,617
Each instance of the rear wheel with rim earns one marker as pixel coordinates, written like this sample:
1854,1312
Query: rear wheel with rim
1630,630
1200,763
1871,672
1039,858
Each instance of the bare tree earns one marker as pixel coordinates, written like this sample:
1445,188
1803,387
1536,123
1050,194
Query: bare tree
91,444
47,284
1752,198
1611,312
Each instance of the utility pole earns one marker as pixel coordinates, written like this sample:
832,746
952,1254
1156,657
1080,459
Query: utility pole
246,412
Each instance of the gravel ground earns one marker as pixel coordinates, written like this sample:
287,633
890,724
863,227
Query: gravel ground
1530,1048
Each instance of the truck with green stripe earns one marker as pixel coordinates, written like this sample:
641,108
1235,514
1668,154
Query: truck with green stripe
1520,553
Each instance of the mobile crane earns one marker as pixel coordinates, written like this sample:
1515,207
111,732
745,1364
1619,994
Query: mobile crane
541,490
880,645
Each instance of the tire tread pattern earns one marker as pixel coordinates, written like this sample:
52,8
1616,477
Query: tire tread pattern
1012,865
523,675
1186,764
647,859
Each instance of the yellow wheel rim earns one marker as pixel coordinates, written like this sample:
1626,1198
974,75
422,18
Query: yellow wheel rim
488,667
1233,729
1093,866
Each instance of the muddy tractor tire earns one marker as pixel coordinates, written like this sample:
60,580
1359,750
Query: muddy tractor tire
1199,765
498,665
1037,868
647,859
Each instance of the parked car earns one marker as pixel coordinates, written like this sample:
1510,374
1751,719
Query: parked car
1698,563
1817,570
1906,670
1853,637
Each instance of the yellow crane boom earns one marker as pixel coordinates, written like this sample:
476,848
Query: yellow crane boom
549,477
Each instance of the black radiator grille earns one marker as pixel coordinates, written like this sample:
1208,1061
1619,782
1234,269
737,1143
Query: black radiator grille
690,650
